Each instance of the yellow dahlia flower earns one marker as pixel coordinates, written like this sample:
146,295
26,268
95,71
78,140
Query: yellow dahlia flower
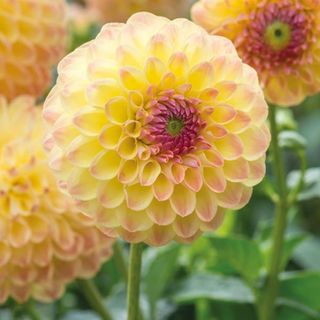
44,241
121,10
280,39
32,40
155,127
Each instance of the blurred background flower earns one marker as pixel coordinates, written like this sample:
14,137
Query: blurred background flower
121,10
280,39
155,127
32,40
45,242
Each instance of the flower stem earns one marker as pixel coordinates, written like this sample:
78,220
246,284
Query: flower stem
94,298
120,261
271,290
134,282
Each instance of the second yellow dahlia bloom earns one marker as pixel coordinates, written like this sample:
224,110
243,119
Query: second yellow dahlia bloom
155,128
45,242
280,39
32,40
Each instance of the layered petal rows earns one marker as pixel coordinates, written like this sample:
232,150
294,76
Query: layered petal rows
45,242
32,40
155,128
280,39
121,10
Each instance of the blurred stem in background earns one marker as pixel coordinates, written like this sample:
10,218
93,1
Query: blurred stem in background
133,290
93,296
269,295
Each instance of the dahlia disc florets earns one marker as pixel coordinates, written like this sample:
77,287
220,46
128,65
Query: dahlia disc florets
278,38
155,128
45,242
33,38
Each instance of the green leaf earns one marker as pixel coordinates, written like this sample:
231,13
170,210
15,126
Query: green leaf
243,254
292,140
302,287
311,188
213,287
81,315
307,253
294,310
159,267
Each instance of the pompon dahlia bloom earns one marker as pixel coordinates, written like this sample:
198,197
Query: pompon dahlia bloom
32,40
280,39
121,10
44,241
155,128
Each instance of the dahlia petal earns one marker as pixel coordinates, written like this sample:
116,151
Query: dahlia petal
110,136
62,233
81,185
183,200
63,132
127,56
161,213
193,179
186,227
90,121
239,123
160,235
201,75
134,221
19,233
5,254
255,143
38,226
117,110
132,128
214,223
138,197
128,171
214,179
20,293
178,64
133,79
223,113
149,172
225,90
213,158
206,207
162,188
159,47
230,147
175,172
155,70
22,256
42,253
110,193
108,218
106,165
101,91
82,151
128,148
257,170
101,69
236,170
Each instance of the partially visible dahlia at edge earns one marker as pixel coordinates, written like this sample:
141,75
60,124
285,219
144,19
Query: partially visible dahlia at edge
121,10
280,39
45,243
156,128
32,40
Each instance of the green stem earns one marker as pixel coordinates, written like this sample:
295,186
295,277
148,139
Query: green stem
271,290
32,311
134,282
120,261
94,298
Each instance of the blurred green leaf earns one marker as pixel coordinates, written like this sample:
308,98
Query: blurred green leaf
307,253
292,140
311,187
243,254
294,310
302,287
159,267
81,315
214,287
285,119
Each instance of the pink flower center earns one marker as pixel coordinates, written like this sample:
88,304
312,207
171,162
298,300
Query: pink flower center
173,127
278,35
